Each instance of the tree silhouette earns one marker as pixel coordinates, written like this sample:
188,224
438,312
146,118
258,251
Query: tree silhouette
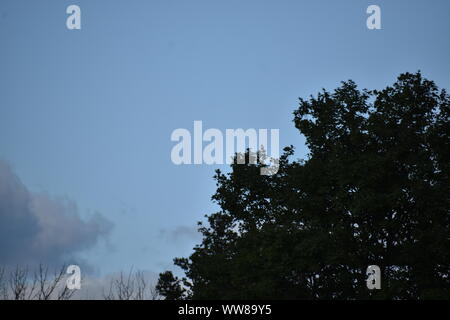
20,283
374,189
133,286
170,286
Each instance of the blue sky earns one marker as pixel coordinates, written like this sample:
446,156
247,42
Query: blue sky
87,114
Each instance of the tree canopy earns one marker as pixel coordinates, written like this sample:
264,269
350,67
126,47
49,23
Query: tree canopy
374,189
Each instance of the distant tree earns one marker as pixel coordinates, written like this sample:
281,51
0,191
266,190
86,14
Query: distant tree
133,286
21,284
374,189
170,287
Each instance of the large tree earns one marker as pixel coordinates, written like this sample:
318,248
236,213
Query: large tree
374,189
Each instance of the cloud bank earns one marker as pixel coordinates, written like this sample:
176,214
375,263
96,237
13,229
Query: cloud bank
37,228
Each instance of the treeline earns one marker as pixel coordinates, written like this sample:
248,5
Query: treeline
374,190
23,283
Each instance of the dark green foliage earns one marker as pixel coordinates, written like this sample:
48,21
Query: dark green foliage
170,287
374,190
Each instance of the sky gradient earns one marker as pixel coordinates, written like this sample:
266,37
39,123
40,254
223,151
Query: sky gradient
86,115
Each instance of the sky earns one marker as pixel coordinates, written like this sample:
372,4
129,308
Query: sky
86,115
